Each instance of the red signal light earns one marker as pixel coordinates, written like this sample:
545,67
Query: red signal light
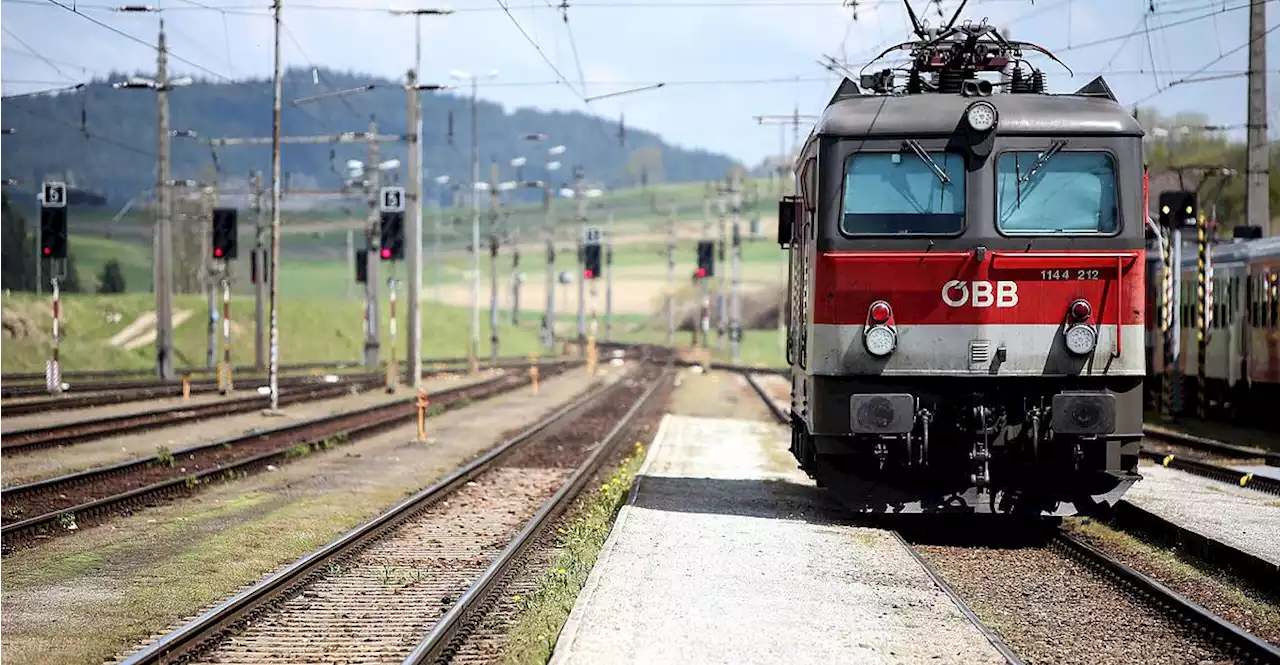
386,253
880,311
702,272
48,251
1080,310
217,251
587,273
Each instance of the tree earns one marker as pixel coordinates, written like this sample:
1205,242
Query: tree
18,270
111,279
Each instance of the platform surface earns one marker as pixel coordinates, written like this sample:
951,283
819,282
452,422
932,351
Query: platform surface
725,553
1243,518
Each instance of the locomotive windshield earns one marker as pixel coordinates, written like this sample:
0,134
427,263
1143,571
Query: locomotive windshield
1069,192
904,193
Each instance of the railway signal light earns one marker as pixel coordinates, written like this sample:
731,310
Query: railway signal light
706,259
53,232
392,236
591,261
224,233
1178,208
362,265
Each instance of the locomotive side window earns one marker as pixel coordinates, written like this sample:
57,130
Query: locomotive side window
903,193
1056,192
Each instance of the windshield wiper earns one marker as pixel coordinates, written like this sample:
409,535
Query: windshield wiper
924,156
1042,160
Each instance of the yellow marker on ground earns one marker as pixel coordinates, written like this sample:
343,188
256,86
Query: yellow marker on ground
186,387
422,414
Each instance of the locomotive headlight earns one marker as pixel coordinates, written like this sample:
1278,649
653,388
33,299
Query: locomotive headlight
879,341
981,116
1081,339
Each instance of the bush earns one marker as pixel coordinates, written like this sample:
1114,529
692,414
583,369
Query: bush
111,279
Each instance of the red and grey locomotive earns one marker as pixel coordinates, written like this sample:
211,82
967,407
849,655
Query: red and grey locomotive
965,317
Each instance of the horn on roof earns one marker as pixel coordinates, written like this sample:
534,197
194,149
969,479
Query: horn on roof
1097,88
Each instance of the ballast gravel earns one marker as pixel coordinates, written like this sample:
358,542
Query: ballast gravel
725,553
1050,609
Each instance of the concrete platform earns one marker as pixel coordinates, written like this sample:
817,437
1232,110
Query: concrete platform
725,553
1245,519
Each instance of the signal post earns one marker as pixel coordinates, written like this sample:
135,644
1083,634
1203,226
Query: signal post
53,248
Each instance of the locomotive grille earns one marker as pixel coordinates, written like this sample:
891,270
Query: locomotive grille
979,353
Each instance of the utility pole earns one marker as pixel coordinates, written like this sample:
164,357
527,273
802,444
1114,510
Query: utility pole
671,277
794,119
704,283
274,270
208,198
722,311
608,280
413,196
550,224
1257,169
580,198
372,178
473,352
162,276
495,203
260,270
735,293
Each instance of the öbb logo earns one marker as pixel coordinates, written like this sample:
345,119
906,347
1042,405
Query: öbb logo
980,293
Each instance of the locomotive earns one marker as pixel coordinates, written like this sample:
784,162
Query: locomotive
966,287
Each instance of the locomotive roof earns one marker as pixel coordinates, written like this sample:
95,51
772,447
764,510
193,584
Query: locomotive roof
934,113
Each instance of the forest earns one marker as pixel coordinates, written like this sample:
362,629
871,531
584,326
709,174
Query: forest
103,140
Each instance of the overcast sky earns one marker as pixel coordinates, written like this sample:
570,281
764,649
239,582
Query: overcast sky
724,61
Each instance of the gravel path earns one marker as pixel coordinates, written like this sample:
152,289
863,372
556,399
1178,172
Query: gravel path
725,556
1243,518
1050,609
56,461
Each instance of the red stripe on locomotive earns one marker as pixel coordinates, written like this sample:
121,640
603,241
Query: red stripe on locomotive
1045,284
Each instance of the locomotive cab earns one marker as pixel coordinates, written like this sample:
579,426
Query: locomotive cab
966,288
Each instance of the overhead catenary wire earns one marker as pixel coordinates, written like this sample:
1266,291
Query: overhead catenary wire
1194,77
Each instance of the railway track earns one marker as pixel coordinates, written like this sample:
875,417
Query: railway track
426,566
124,395
1194,619
63,434
1213,471
45,507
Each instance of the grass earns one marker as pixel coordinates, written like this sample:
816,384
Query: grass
543,612
310,330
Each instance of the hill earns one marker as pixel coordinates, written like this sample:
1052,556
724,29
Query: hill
105,138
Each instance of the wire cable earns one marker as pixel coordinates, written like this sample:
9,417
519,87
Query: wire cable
1192,78
88,134
537,48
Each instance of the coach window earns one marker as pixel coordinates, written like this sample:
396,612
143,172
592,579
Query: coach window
1048,193
904,193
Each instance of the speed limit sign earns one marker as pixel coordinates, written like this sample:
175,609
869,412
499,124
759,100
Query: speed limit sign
393,199
54,195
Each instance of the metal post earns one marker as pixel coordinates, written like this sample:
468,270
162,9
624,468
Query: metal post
735,292
671,277
1257,204
211,291
495,199
392,366
1168,298
260,287
722,312
164,230
580,198
372,178
226,335
550,317
1202,312
274,271
474,351
54,375
608,280
413,347
515,280
351,259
